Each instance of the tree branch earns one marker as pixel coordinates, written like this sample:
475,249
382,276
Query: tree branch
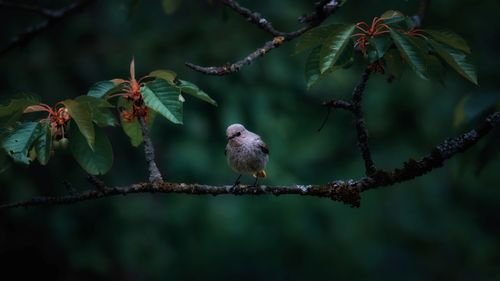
149,152
347,191
361,129
323,9
53,17
446,150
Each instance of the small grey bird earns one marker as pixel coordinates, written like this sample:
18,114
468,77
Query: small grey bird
246,152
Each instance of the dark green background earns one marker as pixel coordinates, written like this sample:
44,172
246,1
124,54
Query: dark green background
442,226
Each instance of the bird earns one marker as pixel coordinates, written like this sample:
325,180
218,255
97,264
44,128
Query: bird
246,153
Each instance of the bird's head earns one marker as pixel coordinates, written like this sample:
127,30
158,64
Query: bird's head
235,131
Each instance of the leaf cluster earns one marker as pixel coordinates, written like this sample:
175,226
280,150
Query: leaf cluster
27,135
392,41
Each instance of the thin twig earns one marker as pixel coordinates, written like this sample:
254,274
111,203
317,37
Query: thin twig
361,129
54,16
344,191
323,10
149,152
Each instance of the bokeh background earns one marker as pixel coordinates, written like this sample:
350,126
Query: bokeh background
445,225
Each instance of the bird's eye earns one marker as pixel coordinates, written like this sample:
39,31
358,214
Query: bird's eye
238,134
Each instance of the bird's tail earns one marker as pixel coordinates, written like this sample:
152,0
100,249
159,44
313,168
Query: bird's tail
260,174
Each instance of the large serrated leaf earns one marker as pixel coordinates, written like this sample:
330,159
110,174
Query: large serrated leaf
381,44
100,89
312,72
449,38
412,53
456,59
193,90
19,141
97,160
333,46
80,112
314,37
43,145
10,113
392,17
164,74
100,110
164,99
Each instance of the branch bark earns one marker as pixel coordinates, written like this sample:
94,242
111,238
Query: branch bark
53,17
149,152
322,11
347,191
361,130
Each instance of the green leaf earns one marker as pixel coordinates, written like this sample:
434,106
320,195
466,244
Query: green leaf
314,37
412,53
312,72
132,129
164,74
43,146
100,110
80,112
456,59
334,45
164,99
12,112
449,38
392,17
97,160
100,89
193,90
381,45
18,142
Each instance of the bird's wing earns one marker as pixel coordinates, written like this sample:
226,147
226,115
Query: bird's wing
263,146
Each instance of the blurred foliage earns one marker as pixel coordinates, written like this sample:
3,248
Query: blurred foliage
444,225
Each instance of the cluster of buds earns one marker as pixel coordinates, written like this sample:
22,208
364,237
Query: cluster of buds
132,93
377,28
58,119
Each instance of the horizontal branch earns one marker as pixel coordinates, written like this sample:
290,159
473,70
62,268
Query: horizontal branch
323,10
347,191
53,16
339,191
